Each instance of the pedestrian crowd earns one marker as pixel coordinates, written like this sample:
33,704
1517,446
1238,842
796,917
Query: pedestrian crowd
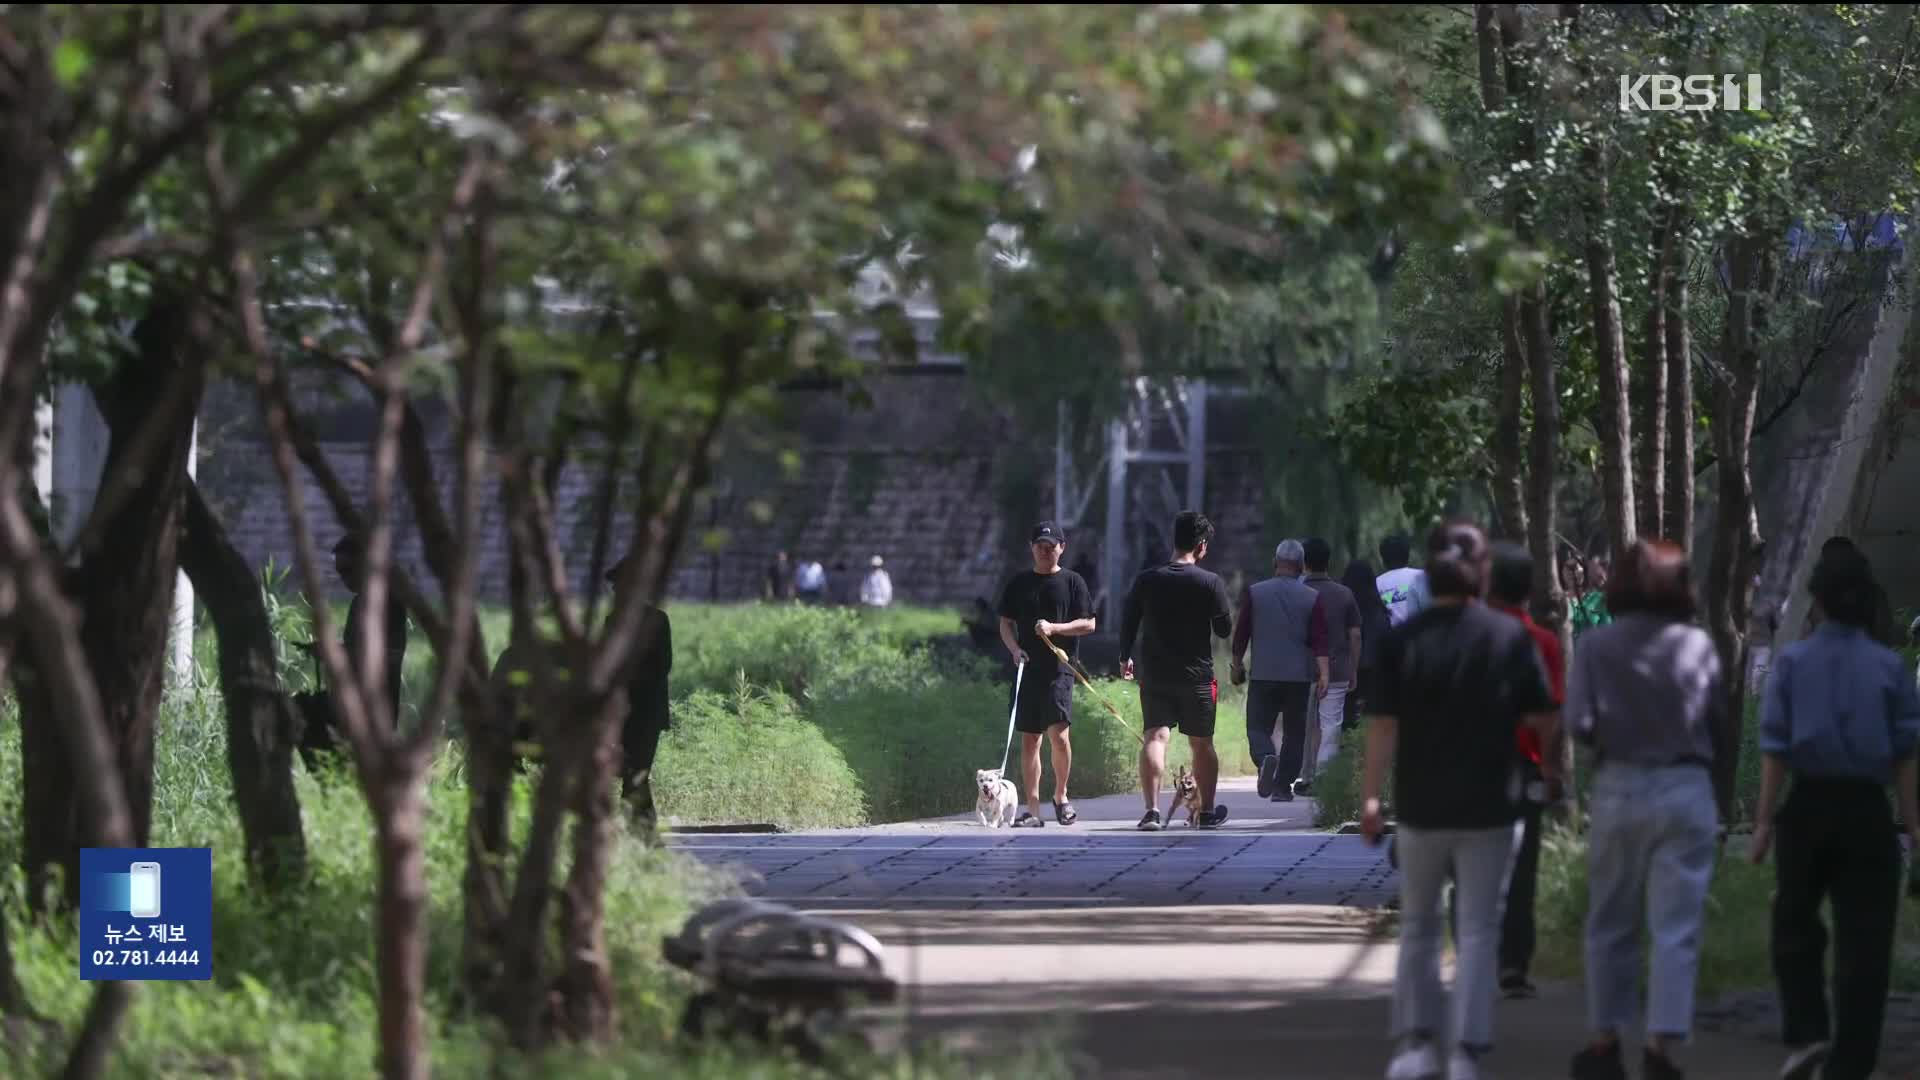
1445,663
809,582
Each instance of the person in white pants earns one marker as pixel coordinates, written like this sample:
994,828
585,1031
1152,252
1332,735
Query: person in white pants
1343,642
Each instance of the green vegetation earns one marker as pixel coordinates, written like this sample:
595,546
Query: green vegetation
1734,955
293,988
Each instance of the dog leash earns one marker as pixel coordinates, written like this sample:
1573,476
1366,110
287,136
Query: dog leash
1018,671
1098,696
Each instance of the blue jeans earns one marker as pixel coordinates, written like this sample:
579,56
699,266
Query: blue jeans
1649,862
1478,861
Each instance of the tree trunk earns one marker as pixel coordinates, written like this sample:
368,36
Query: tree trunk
1679,497
490,757
1549,603
1751,267
260,719
1612,417
125,584
586,1001
400,806
1650,388
1509,491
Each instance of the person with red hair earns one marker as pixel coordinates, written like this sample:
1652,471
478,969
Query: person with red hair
1646,694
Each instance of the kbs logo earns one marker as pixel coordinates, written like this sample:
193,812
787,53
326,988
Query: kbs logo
1694,93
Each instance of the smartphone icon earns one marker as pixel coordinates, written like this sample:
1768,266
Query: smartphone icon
144,893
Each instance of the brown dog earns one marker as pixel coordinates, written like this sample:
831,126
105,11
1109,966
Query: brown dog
1186,792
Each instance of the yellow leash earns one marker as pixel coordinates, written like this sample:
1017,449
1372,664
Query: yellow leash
1097,695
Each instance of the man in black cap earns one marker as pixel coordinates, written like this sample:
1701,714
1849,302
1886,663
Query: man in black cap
320,726
1052,600
647,713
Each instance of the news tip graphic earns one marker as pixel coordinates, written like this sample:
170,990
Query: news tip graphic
146,914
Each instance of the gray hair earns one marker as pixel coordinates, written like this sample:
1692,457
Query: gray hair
1290,551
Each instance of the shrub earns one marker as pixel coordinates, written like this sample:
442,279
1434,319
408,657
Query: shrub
749,756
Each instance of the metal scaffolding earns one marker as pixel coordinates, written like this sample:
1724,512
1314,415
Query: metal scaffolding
1162,433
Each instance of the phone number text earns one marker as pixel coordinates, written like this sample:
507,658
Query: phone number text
145,957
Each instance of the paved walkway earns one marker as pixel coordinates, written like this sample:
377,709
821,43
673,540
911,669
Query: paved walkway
1258,950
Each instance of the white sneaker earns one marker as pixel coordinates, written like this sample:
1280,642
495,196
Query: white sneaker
1462,1066
1415,1061
1804,1063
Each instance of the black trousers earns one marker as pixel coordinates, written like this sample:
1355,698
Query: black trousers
1516,929
639,744
1268,700
1835,840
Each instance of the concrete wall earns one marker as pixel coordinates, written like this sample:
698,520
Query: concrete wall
918,475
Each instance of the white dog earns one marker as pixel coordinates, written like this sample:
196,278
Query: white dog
997,801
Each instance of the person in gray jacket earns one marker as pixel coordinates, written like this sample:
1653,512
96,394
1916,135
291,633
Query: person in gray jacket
1645,694
1284,621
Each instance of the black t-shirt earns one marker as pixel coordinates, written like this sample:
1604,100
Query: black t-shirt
1059,597
1459,679
1175,610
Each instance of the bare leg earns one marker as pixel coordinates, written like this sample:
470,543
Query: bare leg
1206,770
1030,770
1062,760
1153,765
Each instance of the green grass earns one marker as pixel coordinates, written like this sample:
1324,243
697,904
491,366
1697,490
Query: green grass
811,717
1734,954
293,993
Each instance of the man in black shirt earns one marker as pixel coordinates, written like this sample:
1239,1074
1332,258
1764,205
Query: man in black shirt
1176,610
1053,601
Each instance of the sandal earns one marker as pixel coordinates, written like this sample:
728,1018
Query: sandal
1027,821
1063,812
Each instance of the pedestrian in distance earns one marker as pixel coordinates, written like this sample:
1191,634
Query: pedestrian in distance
778,584
810,582
1359,579
1402,588
1840,720
1647,695
1509,587
1172,613
1053,601
1456,682
1343,627
1283,620
876,589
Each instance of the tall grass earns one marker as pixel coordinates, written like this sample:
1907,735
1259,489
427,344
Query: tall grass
293,988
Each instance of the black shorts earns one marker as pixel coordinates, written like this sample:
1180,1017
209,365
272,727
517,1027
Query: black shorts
1043,702
1186,709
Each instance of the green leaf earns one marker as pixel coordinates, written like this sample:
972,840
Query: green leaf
71,61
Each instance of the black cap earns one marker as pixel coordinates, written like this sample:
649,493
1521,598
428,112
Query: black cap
1046,531
613,572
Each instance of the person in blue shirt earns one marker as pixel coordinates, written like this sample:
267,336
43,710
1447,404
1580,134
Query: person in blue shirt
1842,718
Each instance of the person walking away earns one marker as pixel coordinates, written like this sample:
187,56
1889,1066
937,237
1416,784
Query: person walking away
842,590
1344,634
778,585
320,726
1455,683
1589,606
1402,589
1509,587
1284,621
1173,612
648,713
1374,624
1842,720
810,582
877,590
1882,627
1054,601
1645,694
